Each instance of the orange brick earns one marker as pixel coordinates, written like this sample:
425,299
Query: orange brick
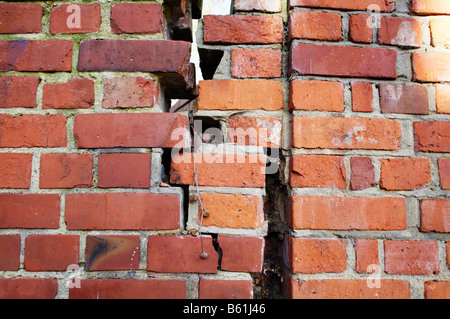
343,213
400,31
439,33
367,255
242,29
434,215
437,289
362,97
411,257
256,63
430,6
345,133
220,170
431,66
361,28
443,98
347,289
240,95
405,173
255,131
233,210
432,136
444,172
317,96
305,255
315,25
318,171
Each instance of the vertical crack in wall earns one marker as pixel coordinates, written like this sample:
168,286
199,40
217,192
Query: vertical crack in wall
270,281
268,284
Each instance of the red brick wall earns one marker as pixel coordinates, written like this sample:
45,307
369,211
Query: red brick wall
321,165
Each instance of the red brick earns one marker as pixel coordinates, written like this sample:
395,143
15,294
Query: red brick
220,170
135,55
36,55
137,18
437,289
66,171
9,252
432,136
407,99
124,170
15,170
367,255
163,250
316,96
256,63
318,171
258,5
400,31
331,60
29,211
359,5
362,97
239,253
431,66
255,131
434,215
74,94
447,249
348,289
28,288
344,213
12,88
240,95
361,28
310,256
130,92
129,289
225,289
345,133
33,130
411,257
443,98
51,252
444,172
123,211
131,130
241,29
405,173
428,7
362,173
63,18
232,210
315,26
21,17
439,35
112,252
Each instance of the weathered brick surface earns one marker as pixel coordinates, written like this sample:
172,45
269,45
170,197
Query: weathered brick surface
12,87
123,211
341,213
64,19
347,289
